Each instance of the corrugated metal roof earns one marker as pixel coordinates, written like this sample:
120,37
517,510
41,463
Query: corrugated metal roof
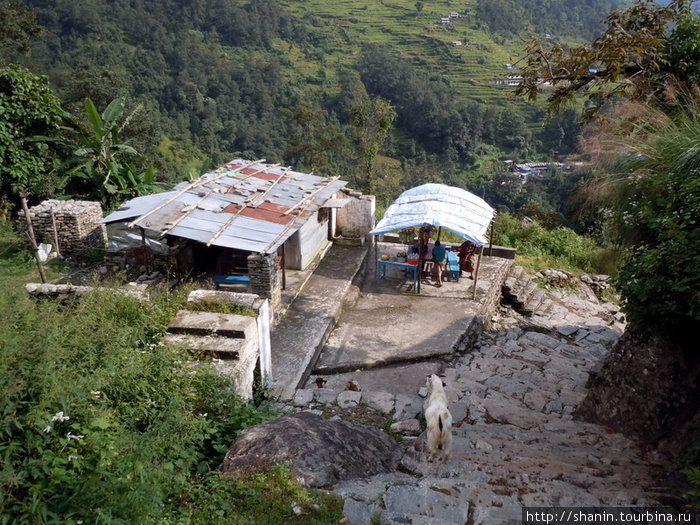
245,205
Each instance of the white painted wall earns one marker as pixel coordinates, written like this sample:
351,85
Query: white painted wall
302,247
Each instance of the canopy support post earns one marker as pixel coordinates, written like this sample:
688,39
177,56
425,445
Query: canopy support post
476,272
491,237
376,257
420,259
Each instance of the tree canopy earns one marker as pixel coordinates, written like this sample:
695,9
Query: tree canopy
28,108
653,139
643,48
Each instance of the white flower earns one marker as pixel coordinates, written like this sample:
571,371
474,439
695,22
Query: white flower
77,437
59,416
47,429
96,393
71,457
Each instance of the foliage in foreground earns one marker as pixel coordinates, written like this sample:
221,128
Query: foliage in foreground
660,221
102,424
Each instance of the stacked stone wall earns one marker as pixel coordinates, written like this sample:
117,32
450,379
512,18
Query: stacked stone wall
265,279
77,226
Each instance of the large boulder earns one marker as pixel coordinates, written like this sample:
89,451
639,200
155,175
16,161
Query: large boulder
320,452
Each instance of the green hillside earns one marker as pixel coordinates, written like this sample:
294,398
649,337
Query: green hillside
280,80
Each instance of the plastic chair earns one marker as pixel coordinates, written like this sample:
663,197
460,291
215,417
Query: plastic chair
452,267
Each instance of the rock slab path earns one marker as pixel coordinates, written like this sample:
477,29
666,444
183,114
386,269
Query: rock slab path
515,440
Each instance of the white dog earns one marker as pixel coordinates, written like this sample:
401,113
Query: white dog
438,419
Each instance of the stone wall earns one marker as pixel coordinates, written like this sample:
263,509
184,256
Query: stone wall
77,225
356,219
647,388
265,279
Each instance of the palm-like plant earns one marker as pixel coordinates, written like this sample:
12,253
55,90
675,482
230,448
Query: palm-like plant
97,165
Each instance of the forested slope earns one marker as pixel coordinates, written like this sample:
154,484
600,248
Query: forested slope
279,80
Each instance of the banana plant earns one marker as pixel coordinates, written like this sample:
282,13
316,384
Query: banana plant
97,162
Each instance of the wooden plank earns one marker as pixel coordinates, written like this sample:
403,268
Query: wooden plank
194,184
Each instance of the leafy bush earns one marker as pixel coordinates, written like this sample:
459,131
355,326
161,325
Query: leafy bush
660,279
659,220
560,247
102,423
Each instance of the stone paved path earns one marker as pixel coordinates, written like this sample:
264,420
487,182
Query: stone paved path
515,442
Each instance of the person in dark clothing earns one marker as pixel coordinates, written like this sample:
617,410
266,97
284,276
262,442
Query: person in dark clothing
439,257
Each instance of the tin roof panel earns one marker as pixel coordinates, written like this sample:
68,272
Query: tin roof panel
259,205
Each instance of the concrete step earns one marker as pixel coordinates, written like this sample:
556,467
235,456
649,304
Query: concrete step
219,346
212,323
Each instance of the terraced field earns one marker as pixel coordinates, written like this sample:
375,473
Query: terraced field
470,69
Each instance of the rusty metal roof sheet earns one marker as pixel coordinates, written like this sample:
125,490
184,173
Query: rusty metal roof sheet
245,205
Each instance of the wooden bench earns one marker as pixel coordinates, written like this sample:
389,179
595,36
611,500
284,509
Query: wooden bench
229,279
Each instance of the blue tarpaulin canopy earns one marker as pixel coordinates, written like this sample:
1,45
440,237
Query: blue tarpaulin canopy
438,205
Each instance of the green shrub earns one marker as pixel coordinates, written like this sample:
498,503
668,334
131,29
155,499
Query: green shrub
560,247
100,422
659,279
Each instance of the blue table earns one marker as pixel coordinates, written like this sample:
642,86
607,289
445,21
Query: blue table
229,279
381,270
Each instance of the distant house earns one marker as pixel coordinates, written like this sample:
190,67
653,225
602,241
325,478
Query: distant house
509,66
457,43
445,21
454,14
513,80
532,169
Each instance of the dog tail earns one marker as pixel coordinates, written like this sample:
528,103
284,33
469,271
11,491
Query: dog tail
444,422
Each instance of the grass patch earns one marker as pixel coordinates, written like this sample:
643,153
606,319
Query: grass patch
261,498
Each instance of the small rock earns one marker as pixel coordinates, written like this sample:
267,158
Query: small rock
407,427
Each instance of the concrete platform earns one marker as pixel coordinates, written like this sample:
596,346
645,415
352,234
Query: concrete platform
389,327
219,346
299,336
335,327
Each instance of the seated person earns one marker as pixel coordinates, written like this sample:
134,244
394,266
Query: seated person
467,254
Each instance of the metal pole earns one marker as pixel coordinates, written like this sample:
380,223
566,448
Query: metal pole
491,238
376,257
420,257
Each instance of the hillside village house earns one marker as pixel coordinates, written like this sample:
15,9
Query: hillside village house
245,222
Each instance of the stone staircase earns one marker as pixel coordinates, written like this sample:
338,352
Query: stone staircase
522,292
